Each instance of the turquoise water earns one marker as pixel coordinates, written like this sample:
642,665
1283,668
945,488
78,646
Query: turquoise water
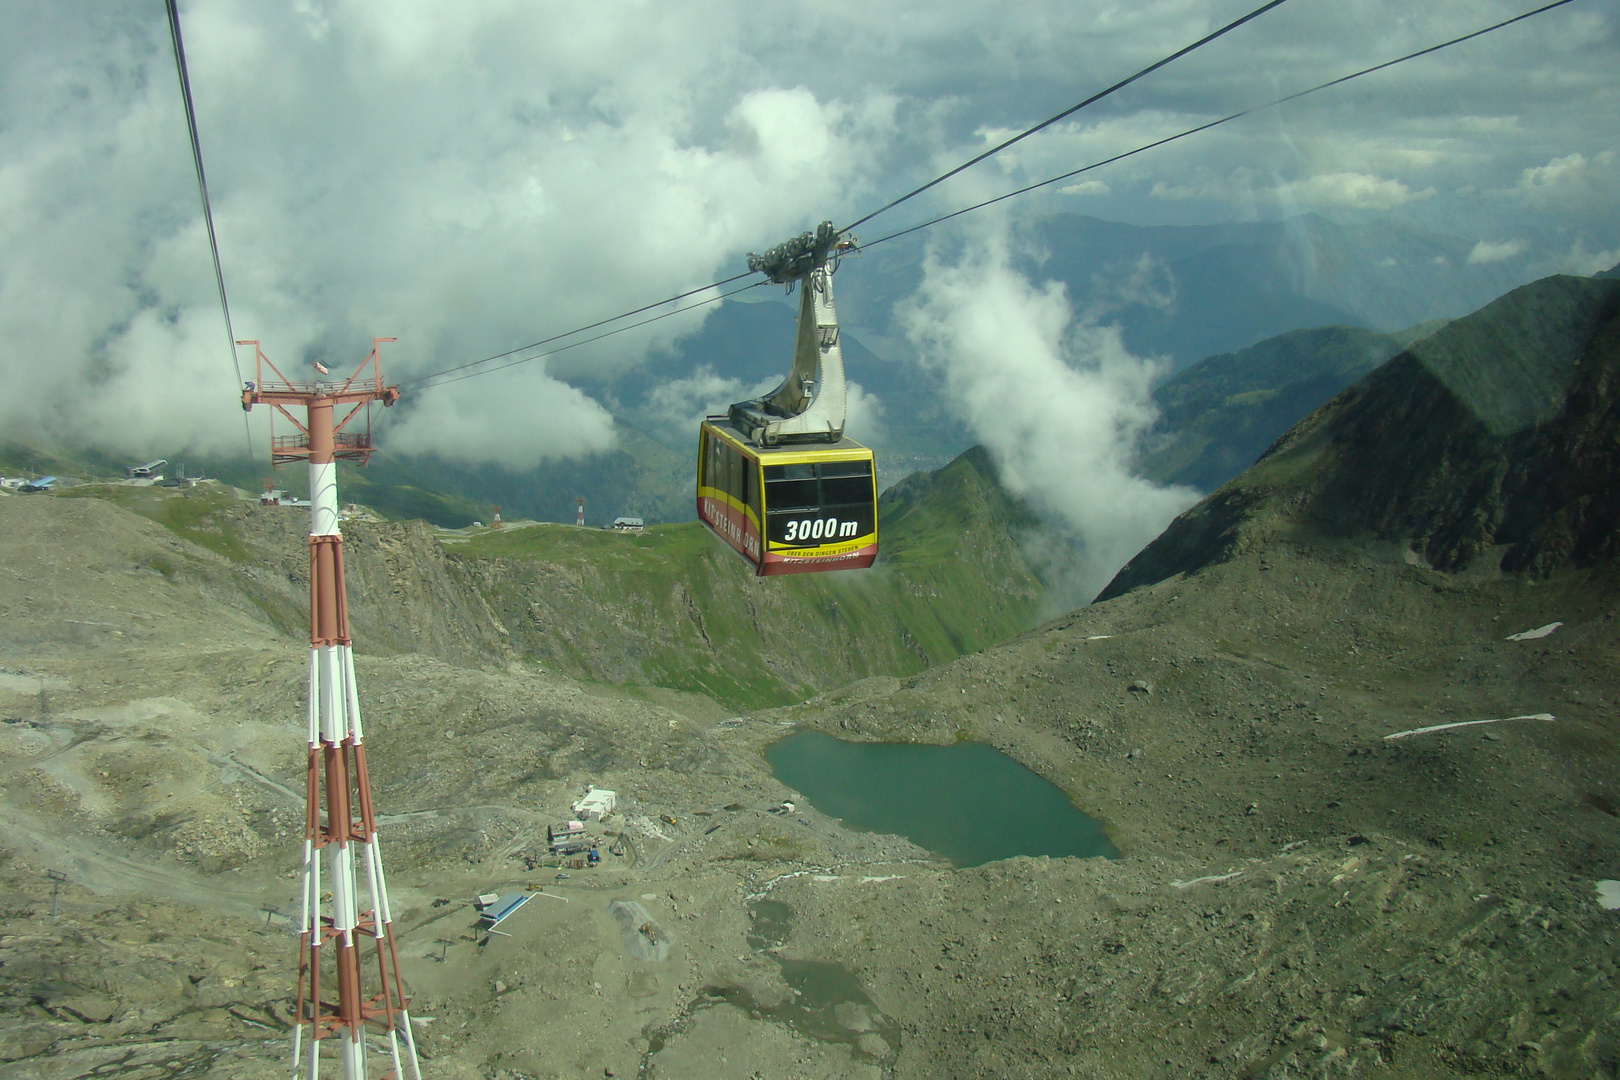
969,802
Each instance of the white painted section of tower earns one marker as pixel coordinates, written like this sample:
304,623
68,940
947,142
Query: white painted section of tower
309,907
369,854
354,1056
381,886
323,499
351,690
379,923
334,717
334,728
344,915
312,926
410,1045
314,696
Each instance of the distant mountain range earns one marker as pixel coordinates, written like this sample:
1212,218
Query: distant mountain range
1181,293
1187,292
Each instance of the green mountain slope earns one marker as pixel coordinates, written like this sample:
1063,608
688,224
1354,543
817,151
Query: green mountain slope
1218,416
674,607
670,607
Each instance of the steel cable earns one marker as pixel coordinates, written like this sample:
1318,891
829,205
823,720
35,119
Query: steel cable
1092,100
1216,123
202,190
1155,66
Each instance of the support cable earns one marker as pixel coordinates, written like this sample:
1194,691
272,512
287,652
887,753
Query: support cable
460,374
1200,43
1093,99
1217,123
464,371
588,326
202,190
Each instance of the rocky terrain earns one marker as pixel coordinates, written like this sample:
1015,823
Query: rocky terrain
1298,894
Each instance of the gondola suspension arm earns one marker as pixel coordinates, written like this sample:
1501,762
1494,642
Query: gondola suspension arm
810,404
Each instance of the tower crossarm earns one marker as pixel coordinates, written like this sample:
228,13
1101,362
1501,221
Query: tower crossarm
322,434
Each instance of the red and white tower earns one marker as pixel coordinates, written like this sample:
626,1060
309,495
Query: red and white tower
339,822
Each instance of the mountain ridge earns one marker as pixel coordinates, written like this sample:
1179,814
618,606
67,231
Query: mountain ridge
1495,433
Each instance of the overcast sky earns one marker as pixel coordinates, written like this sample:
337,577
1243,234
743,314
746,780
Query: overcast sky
471,176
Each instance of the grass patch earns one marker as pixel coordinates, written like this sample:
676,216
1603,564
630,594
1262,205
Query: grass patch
658,545
674,607
187,513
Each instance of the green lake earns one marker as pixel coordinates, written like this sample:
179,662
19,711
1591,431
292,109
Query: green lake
968,802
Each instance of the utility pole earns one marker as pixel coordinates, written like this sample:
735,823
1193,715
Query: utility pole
336,776
57,877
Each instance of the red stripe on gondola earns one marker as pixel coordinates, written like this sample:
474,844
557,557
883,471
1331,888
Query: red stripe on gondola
776,564
731,525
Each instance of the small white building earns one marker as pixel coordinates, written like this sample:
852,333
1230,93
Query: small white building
596,804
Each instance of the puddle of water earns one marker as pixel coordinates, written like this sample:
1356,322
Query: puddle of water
769,926
827,1002
969,802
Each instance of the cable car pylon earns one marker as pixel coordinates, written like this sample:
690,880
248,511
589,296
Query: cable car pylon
339,820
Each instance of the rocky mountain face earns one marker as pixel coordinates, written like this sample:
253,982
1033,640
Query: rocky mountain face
1351,720
1494,439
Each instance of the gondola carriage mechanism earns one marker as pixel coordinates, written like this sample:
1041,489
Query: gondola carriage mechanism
777,479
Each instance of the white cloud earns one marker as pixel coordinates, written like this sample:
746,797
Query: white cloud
1324,191
1355,191
1490,251
473,176
1060,405
1586,263
866,417
674,408
380,184
1573,180
525,419
1145,282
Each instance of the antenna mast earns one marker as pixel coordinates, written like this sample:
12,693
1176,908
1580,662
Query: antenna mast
336,777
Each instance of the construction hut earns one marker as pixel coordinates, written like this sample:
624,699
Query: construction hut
596,804
568,838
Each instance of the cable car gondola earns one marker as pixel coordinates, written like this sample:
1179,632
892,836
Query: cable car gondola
776,479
